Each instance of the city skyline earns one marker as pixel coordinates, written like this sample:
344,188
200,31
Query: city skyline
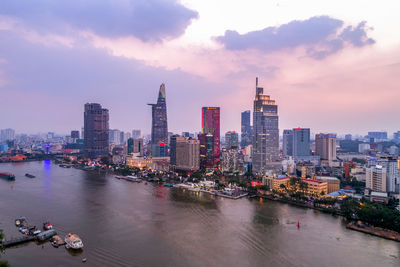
352,57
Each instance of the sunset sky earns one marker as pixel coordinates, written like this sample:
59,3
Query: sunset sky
332,66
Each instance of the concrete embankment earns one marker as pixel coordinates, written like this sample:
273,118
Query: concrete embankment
376,231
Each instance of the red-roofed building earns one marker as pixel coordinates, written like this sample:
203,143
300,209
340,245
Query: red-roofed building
314,187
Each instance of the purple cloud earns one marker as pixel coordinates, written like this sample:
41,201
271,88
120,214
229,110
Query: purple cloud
51,84
148,20
322,36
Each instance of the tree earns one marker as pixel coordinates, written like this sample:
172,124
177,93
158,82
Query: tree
105,160
303,186
282,186
322,193
4,264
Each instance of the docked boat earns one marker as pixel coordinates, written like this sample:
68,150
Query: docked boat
46,235
134,179
29,175
47,226
32,230
57,241
73,241
20,221
7,175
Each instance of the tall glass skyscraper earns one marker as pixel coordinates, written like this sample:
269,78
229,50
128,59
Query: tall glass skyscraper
159,127
246,129
301,142
287,145
210,125
95,130
265,131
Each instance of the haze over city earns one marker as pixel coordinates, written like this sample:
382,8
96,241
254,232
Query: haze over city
331,66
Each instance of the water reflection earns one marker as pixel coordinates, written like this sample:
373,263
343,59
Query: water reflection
131,224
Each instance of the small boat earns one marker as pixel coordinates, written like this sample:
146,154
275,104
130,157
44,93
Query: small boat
29,175
7,175
19,221
32,230
23,230
46,235
298,224
57,241
47,226
73,241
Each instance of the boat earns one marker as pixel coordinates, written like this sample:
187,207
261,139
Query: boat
133,179
73,241
23,230
46,235
19,221
7,175
298,224
47,226
57,241
29,175
32,230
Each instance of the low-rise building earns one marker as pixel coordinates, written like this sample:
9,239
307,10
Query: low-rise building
277,182
153,163
333,183
314,187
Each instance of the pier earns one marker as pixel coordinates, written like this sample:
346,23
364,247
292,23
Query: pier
17,241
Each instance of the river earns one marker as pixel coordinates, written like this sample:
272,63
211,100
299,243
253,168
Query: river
130,224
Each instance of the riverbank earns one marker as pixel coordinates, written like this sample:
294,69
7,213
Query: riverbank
376,231
299,204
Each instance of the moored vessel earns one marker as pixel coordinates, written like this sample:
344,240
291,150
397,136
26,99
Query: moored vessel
47,226
29,175
73,241
46,235
7,175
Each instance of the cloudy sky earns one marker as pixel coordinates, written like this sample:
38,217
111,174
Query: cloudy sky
332,66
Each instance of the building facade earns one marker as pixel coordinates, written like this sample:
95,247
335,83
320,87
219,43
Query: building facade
376,178
206,151
246,129
159,127
210,125
96,126
187,154
301,142
265,131
325,146
231,140
230,160
287,143
7,134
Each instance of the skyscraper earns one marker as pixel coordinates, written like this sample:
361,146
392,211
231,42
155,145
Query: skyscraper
391,165
325,146
210,125
376,178
75,134
265,131
95,130
246,129
287,145
231,140
186,153
301,142
159,127
135,146
136,133
206,151
7,134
